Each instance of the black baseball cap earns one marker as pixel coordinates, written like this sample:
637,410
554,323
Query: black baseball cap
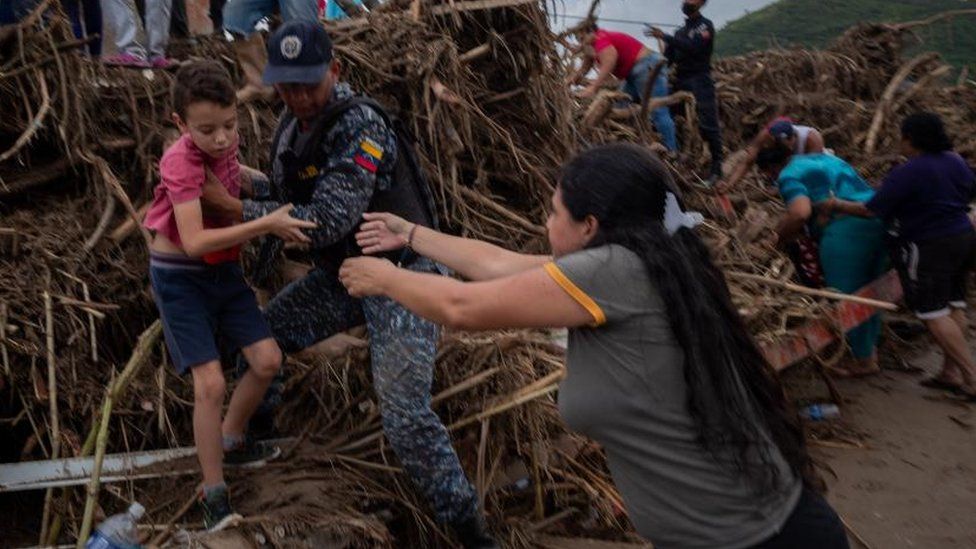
298,52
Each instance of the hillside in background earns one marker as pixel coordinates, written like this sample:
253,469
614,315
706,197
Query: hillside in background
815,23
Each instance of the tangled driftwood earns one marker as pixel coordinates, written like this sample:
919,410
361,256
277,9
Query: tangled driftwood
480,84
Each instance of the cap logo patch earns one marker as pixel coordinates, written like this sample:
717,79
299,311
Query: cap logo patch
291,47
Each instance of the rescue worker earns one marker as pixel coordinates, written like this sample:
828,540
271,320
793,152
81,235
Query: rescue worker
333,165
689,50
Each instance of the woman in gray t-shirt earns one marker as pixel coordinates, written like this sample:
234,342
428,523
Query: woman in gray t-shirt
661,370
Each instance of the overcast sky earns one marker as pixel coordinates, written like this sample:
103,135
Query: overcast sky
652,11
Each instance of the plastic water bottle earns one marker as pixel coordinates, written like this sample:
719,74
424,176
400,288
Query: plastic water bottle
118,531
820,412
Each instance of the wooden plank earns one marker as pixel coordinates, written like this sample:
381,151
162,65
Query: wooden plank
35,475
41,474
817,335
443,9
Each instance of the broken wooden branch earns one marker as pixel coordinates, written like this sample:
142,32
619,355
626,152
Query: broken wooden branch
475,53
140,355
35,124
813,291
475,196
34,178
52,382
103,222
888,96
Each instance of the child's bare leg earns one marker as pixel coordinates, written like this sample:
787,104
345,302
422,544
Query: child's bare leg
208,400
264,360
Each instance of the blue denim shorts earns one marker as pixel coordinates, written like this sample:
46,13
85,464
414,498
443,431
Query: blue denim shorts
198,303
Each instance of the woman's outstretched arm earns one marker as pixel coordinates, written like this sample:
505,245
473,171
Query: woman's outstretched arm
529,299
472,259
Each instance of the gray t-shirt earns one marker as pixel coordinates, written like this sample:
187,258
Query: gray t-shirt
626,389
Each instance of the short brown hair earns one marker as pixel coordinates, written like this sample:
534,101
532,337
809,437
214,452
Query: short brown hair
202,81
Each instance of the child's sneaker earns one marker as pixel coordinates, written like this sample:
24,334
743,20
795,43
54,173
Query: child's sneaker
249,453
126,60
217,513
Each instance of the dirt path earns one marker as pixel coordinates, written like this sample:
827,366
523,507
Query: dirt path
915,486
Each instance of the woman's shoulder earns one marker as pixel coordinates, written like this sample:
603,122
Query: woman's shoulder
957,162
613,254
607,262
927,165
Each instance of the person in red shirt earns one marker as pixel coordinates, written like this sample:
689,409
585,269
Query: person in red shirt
626,58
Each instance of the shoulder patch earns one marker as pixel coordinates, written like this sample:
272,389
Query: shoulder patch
365,163
371,148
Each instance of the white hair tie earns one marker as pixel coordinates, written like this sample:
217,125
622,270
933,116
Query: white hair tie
676,218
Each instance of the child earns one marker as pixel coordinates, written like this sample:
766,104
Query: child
197,280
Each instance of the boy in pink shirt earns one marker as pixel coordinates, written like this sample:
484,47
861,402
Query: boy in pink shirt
197,280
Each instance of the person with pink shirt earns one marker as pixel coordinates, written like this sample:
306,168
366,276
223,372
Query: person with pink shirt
625,57
198,284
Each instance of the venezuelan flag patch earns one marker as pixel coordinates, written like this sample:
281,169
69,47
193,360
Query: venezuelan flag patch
365,163
372,148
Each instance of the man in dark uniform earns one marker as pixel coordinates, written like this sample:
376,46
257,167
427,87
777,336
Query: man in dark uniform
690,51
333,168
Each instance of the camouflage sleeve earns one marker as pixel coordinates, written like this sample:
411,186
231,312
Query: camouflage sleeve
345,186
261,188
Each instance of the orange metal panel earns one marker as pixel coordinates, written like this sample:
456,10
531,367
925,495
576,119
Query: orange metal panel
816,335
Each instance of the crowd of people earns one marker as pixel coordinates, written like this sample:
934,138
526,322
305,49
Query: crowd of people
141,29
701,441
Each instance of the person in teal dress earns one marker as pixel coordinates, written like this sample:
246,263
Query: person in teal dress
852,249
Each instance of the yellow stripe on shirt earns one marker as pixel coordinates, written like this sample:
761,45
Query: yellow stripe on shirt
372,148
599,318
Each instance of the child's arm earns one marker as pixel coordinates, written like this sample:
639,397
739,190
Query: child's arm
198,241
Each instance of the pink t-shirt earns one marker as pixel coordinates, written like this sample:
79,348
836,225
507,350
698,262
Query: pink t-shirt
628,50
182,175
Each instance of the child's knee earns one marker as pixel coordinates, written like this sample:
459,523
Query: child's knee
265,359
209,386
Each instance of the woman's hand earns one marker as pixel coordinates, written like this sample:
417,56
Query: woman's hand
284,226
654,31
383,232
827,207
824,211
366,276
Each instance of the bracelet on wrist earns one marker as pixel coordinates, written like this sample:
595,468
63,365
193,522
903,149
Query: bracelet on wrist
413,231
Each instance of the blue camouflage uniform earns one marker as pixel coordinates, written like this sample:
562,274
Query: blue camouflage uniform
690,51
357,157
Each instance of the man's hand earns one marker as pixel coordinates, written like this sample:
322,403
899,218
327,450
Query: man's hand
216,201
366,276
655,32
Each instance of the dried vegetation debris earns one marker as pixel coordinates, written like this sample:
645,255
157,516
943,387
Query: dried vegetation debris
482,90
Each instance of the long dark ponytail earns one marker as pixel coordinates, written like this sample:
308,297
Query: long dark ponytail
734,395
